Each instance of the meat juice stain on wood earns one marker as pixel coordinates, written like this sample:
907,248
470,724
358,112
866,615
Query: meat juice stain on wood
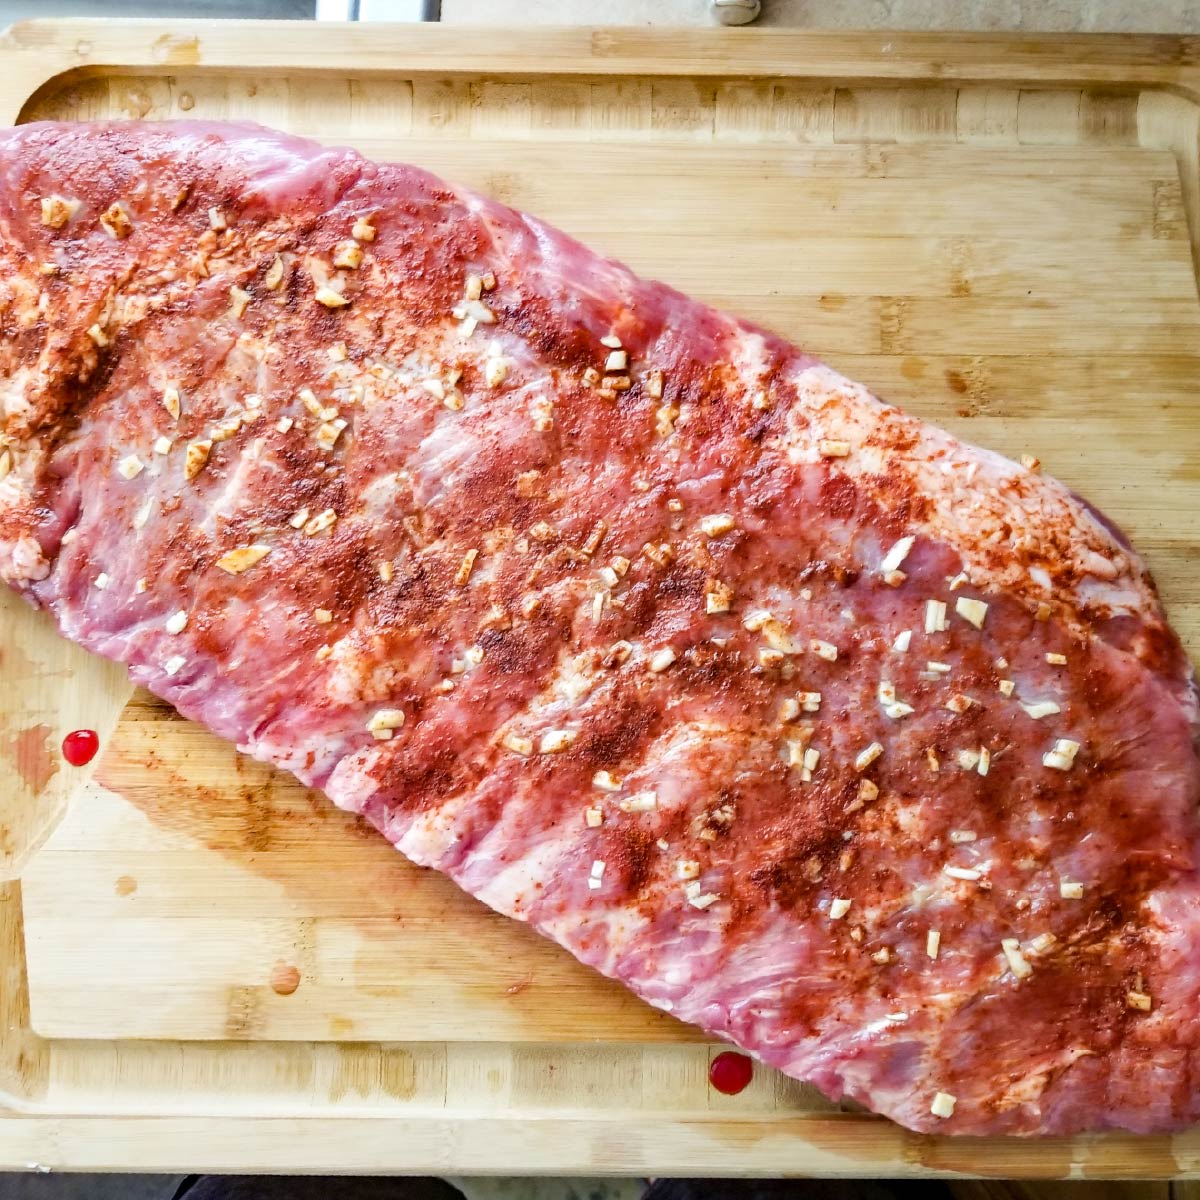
80,746
285,979
730,1072
30,755
126,885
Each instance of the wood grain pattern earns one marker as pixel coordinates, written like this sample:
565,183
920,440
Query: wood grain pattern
204,961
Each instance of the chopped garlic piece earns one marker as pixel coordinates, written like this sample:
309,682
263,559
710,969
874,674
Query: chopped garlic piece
639,802
662,659
1030,463
242,558
97,334
899,710
177,622
329,298
985,760
617,360
1040,709
943,1105
1042,943
518,744
162,445
1062,757
935,616
465,567
894,578
322,616
868,791
610,341
195,458
1007,687
704,901
789,710
718,600
284,424
958,703
216,220
1139,1000
828,448
938,668
933,942
966,874
101,581
495,371
170,401
971,611
1056,660
58,210
825,650
687,868
348,255
882,955
958,836
141,587
328,433
896,555
174,664
867,756
321,522
239,298
554,741
810,702
1017,963
362,230
593,817
654,385
381,725
597,871
967,759
717,524
903,641
1069,889
130,467
116,222
605,781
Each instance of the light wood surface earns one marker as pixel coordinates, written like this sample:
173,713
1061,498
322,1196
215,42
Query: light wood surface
992,232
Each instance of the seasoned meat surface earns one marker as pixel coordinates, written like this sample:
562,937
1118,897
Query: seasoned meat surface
865,749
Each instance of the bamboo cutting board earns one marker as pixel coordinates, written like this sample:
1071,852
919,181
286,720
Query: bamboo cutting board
205,965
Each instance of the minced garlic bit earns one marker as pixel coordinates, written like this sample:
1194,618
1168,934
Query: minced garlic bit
196,457
933,942
162,445
216,220
97,334
894,578
903,641
789,710
886,691
1056,660
868,791
243,558
639,802
654,385
967,759
810,702
1062,757
1017,963
935,616
348,255
329,298
662,659
381,725
899,710
965,874
6,462
828,448
328,433
593,818
170,401
882,956
116,222
141,587
1040,709
867,756
58,210
435,387
761,402
811,758
718,599
1030,463
971,611
284,424
1139,1000
617,360
985,760
322,616
541,413
555,741
238,299
174,664
274,276
931,760
826,650
362,230
717,524
321,522
518,744
177,622
896,555
938,668
1069,889
756,619
616,383
943,1105
838,909
959,836
610,341
130,467
299,518
687,868
101,581
703,901
1042,942
495,371
1007,687
223,430
665,417
958,703
466,567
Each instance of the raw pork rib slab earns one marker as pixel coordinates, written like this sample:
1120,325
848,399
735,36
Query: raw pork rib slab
867,750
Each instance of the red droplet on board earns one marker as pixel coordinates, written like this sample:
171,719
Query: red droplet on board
730,1072
79,747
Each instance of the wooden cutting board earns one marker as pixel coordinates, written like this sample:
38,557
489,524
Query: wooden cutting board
202,959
